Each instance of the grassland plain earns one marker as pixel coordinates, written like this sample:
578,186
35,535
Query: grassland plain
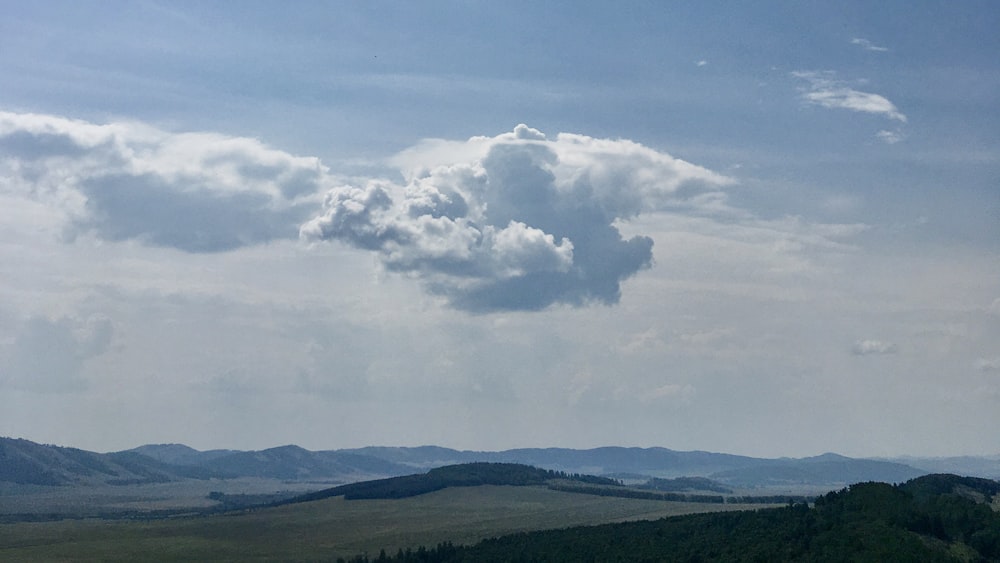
331,528
98,500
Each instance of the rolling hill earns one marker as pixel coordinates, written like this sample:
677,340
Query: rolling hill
465,511
290,462
462,475
22,461
931,518
658,462
826,469
27,463
298,464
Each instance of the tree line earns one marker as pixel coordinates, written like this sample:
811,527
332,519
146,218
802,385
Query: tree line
938,519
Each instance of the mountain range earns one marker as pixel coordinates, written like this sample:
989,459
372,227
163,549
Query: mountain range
26,462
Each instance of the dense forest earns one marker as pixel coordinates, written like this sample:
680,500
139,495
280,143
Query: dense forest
932,518
681,484
462,475
513,474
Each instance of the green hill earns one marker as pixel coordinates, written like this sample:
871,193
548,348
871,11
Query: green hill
932,518
329,528
685,484
461,475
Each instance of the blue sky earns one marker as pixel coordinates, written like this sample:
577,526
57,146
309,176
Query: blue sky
770,229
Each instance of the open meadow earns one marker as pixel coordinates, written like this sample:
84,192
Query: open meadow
331,528
18,502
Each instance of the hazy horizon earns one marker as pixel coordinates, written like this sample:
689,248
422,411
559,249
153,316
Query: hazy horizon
817,454
767,230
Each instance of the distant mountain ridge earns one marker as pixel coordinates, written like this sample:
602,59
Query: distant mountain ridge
27,463
179,454
609,459
822,469
290,462
825,469
979,466
22,461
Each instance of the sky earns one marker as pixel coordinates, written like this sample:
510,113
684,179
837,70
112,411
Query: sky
767,228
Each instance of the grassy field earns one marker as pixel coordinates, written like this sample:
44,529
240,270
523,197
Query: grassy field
330,528
94,500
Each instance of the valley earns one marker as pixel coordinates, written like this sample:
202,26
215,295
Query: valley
171,502
330,528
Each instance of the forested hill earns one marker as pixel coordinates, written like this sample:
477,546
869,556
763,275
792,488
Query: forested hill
928,519
462,475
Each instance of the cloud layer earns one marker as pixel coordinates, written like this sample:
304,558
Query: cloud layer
517,221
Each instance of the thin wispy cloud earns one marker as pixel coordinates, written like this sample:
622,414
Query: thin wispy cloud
873,347
889,137
867,45
825,90
669,392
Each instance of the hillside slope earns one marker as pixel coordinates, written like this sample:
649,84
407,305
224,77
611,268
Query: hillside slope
733,470
461,475
27,463
179,454
330,528
295,463
929,519
827,469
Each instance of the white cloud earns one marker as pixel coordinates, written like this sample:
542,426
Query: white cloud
198,192
515,221
826,91
869,347
867,45
670,391
642,341
889,137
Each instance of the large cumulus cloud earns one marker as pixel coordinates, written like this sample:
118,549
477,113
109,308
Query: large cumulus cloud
519,221
197,192
514,222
